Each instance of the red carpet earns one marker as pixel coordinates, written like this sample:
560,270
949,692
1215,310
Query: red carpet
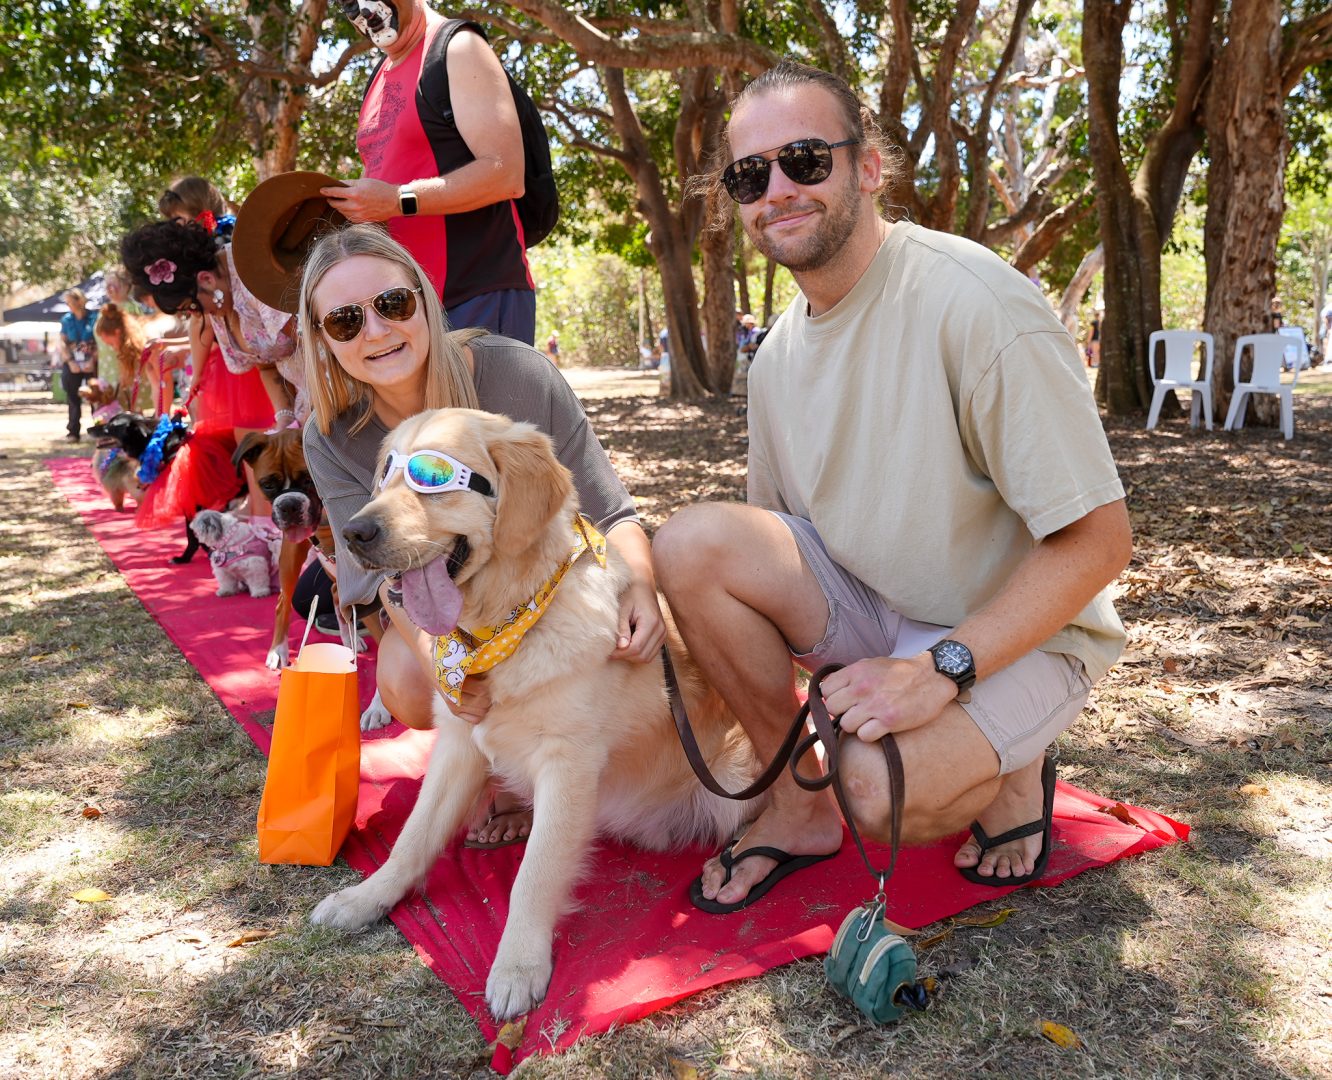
636,944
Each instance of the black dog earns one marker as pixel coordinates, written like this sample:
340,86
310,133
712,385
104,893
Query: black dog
134,432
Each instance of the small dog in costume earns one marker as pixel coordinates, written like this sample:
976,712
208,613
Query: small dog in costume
243,554
112,466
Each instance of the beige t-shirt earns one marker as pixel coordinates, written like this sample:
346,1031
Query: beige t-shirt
933,426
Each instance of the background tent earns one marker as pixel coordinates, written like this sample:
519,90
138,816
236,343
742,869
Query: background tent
50,309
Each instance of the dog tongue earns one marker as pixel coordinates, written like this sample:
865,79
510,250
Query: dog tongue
294,534
431,599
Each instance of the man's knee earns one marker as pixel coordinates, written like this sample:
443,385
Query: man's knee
689,547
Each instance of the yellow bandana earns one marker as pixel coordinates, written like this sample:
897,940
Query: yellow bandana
465,651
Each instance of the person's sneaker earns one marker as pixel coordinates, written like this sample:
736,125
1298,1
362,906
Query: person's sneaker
327,623
73,438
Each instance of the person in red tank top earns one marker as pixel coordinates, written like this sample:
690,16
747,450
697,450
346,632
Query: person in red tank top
444,186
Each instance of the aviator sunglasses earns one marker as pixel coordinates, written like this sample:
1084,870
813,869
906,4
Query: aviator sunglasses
344,323
805,161
431,472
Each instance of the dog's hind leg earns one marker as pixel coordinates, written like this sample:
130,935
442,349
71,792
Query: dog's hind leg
564,824
453,780
191,546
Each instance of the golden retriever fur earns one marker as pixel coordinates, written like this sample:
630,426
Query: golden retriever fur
590,740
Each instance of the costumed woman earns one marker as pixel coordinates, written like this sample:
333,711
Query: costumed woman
122,333
377,350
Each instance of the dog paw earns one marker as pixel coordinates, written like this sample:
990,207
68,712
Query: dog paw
277,658
350,909
375,715
516,985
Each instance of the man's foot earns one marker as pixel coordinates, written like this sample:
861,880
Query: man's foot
504,822
73,438
805,828
1021,806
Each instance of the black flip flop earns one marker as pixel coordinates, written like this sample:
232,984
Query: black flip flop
1043,826
786,864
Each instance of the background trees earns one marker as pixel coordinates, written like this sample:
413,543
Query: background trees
1060,135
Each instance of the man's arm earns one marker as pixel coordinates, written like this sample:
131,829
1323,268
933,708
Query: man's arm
1057,579
487,120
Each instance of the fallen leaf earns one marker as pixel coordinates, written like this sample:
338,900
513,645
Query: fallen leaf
510,1035
1119,812
1060,1035
382,1023
682,1069
899,929
92,812
78,705
934,939
91,896
844,1034
1254,789
249,936
1170,665
985,921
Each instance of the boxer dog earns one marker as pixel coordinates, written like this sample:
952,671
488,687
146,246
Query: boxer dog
278,461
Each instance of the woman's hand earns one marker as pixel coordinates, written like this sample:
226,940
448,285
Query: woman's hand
475,701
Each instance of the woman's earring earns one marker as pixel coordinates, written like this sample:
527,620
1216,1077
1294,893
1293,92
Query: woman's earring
218,297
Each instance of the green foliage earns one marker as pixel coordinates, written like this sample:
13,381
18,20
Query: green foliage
591,299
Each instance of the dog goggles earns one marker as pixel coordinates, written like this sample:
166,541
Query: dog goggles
432,473
805,161
344,323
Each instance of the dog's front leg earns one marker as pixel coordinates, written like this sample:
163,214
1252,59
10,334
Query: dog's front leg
454,778
290,561
564,819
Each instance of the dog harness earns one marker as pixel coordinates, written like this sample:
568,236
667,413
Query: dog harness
479,650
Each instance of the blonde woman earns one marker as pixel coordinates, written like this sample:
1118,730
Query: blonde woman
122,332
377,350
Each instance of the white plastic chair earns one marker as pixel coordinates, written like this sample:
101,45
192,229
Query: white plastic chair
1269,351
1180,349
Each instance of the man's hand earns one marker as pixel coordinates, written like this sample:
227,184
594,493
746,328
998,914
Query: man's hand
881,695
475,701
364,200
641,629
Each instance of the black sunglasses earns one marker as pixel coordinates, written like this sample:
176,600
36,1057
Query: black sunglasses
805,161
344,323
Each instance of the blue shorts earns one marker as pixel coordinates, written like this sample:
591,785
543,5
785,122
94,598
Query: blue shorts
1021,710
510,313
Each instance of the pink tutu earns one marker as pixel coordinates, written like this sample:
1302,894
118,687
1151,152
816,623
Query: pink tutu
233,401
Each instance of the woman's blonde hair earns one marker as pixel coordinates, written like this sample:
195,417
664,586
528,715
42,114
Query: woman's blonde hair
74,294
332,391
111,319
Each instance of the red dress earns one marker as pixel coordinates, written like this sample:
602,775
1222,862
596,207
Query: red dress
228,400
200,476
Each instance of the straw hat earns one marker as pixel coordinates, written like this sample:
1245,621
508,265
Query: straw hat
275,229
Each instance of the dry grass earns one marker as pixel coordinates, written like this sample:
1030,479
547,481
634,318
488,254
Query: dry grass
1209,959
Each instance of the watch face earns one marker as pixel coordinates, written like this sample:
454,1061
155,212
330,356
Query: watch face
952,658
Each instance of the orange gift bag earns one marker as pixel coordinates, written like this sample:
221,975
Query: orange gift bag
314,764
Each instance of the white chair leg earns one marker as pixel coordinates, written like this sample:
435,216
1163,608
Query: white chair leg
1207,406
1236,401
1154,413
1287,416
1195,402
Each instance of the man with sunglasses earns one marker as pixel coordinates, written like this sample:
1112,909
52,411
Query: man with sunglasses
932,503
442,148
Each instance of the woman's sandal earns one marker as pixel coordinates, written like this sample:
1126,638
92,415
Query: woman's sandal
987,843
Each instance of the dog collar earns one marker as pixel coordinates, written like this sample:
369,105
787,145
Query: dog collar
479,650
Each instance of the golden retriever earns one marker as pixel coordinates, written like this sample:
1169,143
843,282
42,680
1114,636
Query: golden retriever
590,740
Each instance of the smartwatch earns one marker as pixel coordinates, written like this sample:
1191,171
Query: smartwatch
953,661
407,201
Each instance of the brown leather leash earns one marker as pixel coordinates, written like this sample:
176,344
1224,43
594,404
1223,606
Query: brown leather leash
827,731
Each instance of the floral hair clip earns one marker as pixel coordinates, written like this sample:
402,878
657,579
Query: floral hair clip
162,272
207,220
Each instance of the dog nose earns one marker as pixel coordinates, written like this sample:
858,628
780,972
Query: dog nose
361,532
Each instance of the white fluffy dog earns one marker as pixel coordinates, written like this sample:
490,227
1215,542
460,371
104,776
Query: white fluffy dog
244,554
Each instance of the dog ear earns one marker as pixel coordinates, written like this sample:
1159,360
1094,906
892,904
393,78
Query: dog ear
250,448
532,487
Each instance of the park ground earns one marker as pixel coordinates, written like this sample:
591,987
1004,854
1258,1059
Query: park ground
120,771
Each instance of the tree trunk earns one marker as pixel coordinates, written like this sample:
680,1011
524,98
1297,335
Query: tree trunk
742,276
1247,145
769,277
1077,288
719,304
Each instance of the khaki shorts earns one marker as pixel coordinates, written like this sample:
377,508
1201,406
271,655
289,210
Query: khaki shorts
1021,710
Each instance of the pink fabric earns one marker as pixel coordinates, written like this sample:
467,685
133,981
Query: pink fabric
635,944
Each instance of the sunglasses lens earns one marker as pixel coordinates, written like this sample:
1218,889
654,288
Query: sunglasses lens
344,323
430,472
747,179
396,305
808,161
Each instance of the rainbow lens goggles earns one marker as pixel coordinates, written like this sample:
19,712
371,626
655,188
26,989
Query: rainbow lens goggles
431,473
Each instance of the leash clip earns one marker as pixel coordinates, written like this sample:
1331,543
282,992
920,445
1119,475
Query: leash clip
873,910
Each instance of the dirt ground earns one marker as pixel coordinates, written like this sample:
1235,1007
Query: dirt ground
120,772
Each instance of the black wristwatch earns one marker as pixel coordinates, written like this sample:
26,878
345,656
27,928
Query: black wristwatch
953,661
407,201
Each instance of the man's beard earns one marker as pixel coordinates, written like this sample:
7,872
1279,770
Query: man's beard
815,251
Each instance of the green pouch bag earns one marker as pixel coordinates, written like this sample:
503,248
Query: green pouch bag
872,966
